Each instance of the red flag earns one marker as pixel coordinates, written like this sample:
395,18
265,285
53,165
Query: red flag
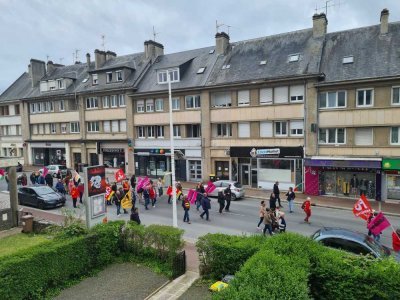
210,187
378,224
45,171
108,191
119,175
362,208
169,191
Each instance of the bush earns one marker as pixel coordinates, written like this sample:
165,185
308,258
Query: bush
222,254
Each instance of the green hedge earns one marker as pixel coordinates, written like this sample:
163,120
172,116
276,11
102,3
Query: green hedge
29,273
222,254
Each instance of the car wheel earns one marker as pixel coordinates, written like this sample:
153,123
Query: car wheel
233,197
40,205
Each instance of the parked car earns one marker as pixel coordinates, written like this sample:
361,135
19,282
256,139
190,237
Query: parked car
41,197
236,188
56,169
350,241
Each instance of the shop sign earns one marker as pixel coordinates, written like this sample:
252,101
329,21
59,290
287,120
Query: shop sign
113,150
391,164
280,152
352,164
265,152
148,152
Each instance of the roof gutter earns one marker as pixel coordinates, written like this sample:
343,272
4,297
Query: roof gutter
365,80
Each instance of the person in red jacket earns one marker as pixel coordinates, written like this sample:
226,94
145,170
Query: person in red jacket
307,209
81,189
396,242
74,194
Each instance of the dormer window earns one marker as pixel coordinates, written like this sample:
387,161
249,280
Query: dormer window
52,85
95,79
60,84
211,51
294,57
118,74
173,75
109,77
348,59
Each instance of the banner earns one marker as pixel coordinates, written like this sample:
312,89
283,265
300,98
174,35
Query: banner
378,224
2,173
109,192
193,198
119,175
142,182
362,208
126,202
45,171
210,187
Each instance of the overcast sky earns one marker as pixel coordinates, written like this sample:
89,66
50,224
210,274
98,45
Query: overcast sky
55,28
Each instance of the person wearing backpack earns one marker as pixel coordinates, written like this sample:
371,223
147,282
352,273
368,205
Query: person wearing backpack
186,208
290,198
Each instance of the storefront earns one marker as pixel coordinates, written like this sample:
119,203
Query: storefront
261,167
391,169
43,154
343,178
113,155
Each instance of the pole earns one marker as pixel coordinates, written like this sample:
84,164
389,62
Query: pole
171,133
12,184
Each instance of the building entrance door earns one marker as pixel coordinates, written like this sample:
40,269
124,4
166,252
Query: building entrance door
244,174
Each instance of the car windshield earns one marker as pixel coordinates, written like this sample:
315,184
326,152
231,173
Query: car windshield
376,247
237,185
43,190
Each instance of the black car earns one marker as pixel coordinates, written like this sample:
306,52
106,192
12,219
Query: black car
40,196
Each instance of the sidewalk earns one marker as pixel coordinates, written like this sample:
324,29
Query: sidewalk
389,208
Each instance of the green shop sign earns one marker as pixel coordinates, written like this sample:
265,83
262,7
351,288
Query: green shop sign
391,164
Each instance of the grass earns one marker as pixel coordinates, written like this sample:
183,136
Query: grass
20,241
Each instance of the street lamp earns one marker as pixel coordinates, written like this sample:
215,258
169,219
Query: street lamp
171,134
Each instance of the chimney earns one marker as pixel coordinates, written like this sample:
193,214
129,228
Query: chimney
320,23
50,67
110,54
153,49
221,43
384,21
37,69
88,60
99,58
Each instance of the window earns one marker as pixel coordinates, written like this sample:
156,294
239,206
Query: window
348,59
93,126
95,79
140,132
363,136
92,103
159,104
396,95
122,125
176,104
34,128
106,126
113,101
263,62
60,84
221,99
243,98
266,129
151,131
16,109
395,136
265,96
193,131
61,106
38,107
365,98
332,136
149,105
281,94
47,128
173,75
63,127
53,128
140,106
293,57
201,70
12,130
115,126
52,85
244,130
118,74
19,130
32,108
106,102
296,93
160,131
192,101
43,86
224,130
332,99
177,131
121,100
50,104
281,128
4,110
296,128
45,107
74,127
109,77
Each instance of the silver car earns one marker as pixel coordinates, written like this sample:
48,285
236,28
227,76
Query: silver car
54,170
236,189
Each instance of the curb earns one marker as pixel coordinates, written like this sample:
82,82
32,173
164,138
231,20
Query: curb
159,289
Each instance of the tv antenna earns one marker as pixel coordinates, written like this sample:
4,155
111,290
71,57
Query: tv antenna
155,33
47,57
103,42
61,59
328,4
217,26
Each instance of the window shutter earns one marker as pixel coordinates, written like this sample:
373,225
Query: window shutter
281,94
363,136
114,126
243,97
106,125
122,125
244,130
266,96
297,90
265,129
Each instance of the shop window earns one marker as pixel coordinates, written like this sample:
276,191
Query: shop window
221,99
149,105
396,95
296,128
363,136
395,135
140,133
222,170
244,98
281,128
266,96
192,101
365,98
332,99
140,106
244,130
332,136
297,93
193,130
159,104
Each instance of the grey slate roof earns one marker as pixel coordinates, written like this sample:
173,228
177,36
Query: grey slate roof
19,89
190,62
244,58
375,55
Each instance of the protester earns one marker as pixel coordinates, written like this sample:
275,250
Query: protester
206,205
74,194
200,191
81,189
221,201
396,243
377,237
41,179
117,200
268,221
125,185
159,187
282,222
32,178
290,198
24,180
228,197
77,179
7,181
272,201
146,196
261,214
306,206
133,181
277,193
152,194
186,208
49,179
135,215
60,187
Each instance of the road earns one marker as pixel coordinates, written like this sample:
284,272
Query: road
242,219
